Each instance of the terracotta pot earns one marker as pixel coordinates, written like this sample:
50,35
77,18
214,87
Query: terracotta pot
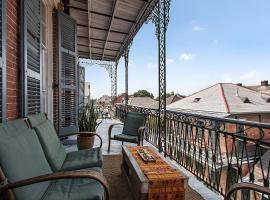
85,141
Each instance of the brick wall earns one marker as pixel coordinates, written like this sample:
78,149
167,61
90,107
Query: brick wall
12,59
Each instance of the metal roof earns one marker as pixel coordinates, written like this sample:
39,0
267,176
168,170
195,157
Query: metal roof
225,98
106,27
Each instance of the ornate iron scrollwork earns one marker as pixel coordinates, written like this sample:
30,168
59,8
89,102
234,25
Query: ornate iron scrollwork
126,57
160,17
111,68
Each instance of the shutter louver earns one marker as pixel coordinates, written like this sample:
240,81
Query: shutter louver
2,60
67,75
81,86
31,77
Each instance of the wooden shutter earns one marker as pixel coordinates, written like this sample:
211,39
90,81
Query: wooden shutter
2,60
81,86
66,83
30,51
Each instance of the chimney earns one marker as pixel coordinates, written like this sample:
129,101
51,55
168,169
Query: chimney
239,84
264,83
237,93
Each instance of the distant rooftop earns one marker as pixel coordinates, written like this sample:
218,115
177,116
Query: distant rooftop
145,102
264,87
224,99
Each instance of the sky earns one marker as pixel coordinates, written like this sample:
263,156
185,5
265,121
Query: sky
208,42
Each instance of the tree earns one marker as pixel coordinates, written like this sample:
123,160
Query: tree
170,94
143,93
167,95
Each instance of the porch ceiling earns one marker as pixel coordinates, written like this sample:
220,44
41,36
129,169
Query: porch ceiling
106,27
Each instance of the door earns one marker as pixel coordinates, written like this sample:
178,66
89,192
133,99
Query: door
66,78
30,59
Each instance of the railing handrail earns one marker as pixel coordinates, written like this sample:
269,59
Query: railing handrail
218,151
246,186
214,118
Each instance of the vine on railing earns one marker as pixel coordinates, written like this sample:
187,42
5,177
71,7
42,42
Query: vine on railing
218,151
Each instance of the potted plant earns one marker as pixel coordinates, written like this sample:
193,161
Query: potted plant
87,121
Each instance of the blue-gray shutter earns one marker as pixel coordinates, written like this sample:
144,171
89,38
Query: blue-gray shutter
67,74
81,86
2,60
30,59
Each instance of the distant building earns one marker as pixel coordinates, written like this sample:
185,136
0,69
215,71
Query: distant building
264,87
169,100
120,99
174,98
227,100
104,101
87,92
145,102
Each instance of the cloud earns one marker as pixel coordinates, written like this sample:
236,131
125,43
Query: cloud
186,56
248,75
215,42
151,66
197,28
169,61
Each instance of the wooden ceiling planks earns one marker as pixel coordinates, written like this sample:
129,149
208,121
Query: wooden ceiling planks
112,23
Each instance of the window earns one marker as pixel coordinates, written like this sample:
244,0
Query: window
196,100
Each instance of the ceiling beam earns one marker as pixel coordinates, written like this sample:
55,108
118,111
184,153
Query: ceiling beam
102,29
101,40
115,5
95,47
102,14
134,27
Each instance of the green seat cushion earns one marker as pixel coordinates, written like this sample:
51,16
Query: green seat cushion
52,146
133,122
22,157
75,189
37,119
83,159
127,138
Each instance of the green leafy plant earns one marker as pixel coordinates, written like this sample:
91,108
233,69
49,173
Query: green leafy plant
87,118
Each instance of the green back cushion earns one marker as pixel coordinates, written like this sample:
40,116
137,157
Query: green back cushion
22,157
37,119
52,146
133,122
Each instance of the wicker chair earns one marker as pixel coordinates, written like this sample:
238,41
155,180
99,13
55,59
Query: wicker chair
133,130
28,175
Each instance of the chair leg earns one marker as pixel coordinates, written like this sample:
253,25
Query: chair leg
109,145
122,143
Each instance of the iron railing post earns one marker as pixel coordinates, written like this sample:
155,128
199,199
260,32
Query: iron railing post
160,17
126,76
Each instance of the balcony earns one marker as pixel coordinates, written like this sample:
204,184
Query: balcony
219,152
45,46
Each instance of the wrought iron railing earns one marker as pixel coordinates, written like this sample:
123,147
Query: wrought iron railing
218,151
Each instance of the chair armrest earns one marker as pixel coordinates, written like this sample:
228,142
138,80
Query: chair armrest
141,133
87,174
89,133
246,186
111,127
